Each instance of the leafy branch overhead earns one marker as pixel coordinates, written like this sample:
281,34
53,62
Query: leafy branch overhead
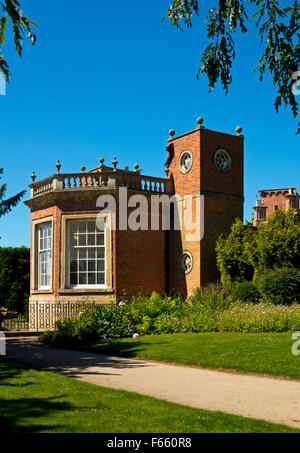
278,30
21,27
7,205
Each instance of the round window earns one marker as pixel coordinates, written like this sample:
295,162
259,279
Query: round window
222,160
185,161
186,262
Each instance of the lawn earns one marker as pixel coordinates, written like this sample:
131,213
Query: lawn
39,401
254,352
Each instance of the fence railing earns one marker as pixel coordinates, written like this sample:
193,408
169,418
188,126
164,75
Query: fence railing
44,315
112,179
14,325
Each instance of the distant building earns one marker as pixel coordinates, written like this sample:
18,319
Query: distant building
273,199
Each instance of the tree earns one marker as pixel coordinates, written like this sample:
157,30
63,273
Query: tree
14,278
277,242
7,205
247,252
232,254
278,28
21,26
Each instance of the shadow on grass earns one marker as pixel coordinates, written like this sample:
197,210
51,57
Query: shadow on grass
120,348
76,362
16,413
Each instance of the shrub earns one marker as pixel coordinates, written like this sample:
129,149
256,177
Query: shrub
211,297
260,318
246,292
14,278
281,286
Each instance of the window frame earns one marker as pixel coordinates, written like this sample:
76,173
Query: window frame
34,255
68,248
64,288
41,287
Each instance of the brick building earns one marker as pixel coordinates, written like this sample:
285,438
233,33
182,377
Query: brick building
273,199
83,251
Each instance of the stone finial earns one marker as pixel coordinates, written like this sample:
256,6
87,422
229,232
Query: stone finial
167,171
115,163
126,168
136,168
200,121
101,160
239,130
58,166
33,176
172,133
83,168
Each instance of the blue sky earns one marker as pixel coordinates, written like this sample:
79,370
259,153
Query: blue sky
108,80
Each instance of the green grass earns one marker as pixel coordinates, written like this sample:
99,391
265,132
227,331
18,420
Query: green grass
40,401
255,352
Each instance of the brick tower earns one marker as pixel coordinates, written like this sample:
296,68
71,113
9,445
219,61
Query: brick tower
273,199
203,164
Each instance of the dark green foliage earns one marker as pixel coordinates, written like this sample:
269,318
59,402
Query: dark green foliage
246,292
281,286
277,29
7,205
21,27
233,254
211,297
14,278
249,251
277,242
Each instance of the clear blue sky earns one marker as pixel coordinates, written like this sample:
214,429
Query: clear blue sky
109,79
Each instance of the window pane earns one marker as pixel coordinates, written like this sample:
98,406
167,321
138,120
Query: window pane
82,240
100,278
100,265
91,226
82,278
82,226
100,252
73,278
82,253
91,278
73,240
91,265
73,227
100,239
91,239
91,253
73,266
82,265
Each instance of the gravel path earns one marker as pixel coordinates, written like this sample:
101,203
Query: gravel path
268,398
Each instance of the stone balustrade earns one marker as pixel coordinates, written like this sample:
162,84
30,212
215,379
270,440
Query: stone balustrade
95,181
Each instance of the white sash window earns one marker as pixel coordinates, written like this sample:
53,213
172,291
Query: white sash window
86,253
45,256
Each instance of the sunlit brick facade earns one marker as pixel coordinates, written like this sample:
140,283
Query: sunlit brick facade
73,261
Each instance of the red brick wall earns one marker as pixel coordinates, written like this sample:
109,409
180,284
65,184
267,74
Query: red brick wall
223,201
272,199
138,257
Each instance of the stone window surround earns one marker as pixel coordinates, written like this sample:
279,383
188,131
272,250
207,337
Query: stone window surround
63,252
